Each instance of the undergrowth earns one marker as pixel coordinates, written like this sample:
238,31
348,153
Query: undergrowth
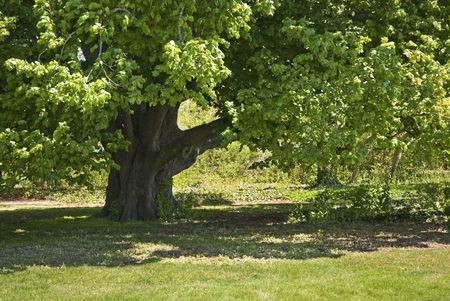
425,202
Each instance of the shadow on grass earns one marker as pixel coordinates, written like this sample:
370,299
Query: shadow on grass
73,237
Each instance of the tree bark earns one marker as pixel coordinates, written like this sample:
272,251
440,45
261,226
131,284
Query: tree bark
326,177
398,153
158,150
355,173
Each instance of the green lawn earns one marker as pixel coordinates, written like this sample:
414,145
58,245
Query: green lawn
224,251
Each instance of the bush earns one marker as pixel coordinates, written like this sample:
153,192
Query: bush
428,202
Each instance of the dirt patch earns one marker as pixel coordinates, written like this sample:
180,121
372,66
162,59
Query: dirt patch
21,203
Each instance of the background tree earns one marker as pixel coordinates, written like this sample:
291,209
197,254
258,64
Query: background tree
329,82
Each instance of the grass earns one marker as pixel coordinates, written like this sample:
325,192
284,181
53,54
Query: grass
233,246
388,274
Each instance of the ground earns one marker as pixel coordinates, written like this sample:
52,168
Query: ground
230,247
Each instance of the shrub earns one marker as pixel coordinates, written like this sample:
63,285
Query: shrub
428,202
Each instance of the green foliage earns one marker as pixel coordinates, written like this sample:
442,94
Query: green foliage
304,83
191,114
330,82
6,24
434,201
170,209
68,68
65,193
233,161
237,162
427,202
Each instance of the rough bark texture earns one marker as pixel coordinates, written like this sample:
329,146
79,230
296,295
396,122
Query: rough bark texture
158,150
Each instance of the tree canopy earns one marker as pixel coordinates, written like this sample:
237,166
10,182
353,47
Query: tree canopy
87,85
327,81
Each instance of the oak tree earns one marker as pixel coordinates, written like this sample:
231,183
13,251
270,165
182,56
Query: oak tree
88,85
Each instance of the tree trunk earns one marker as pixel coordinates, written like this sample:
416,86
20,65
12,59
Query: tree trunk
355,172
396,161
158,151
326,177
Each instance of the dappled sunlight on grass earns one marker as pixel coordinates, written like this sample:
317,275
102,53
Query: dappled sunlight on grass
221,249
73,237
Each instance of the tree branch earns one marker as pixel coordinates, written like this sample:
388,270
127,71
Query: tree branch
211,143
191,140
154,118
170,130
178,164
127,124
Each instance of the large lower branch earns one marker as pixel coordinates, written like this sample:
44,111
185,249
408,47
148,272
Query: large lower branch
154,118
178,164
190,140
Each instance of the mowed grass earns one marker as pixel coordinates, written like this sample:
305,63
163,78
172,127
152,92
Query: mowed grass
224,251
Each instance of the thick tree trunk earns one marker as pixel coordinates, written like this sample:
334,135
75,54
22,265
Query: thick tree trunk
158,151
131,191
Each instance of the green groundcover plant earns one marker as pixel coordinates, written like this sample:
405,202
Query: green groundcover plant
427,202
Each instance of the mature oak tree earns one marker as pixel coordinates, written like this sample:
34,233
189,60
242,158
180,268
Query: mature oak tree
87,85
